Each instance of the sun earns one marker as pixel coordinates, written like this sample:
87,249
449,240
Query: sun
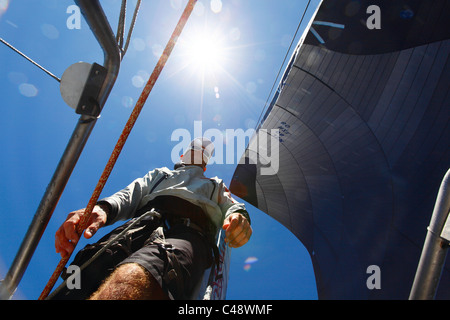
205,52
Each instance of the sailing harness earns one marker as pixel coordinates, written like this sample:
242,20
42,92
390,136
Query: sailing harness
98,260
122,139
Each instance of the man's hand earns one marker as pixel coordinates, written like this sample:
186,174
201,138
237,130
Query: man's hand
66,237
237,230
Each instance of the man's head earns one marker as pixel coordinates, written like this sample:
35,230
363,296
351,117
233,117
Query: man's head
199,152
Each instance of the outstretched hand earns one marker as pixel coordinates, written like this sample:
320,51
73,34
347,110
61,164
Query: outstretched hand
66,236
237,230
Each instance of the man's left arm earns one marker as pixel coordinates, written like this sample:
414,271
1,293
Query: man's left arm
237,230
237,220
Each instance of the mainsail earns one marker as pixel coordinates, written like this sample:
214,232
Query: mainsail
363,120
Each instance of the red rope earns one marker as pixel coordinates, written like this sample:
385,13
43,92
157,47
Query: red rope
122,139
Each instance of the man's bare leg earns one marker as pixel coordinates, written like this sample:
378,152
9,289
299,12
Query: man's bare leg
130,282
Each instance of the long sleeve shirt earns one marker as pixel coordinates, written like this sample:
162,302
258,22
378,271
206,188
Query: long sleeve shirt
187,182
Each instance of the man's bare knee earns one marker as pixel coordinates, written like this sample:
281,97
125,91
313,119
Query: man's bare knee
131,274
129,282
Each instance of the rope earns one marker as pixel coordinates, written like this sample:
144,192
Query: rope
121,24
110,242
133,22
122,139
281,67
29,59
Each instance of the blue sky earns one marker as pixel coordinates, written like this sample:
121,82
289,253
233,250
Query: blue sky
229,91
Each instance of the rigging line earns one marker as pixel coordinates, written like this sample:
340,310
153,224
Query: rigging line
281,67
121,24
122,139
30,60
133,23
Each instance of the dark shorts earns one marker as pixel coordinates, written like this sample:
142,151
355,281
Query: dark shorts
178,264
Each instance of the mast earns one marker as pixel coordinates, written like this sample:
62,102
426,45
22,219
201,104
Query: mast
99,25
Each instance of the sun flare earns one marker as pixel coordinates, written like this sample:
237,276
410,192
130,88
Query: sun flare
205,53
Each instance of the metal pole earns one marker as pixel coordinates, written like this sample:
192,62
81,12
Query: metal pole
435,248
98,23
123,138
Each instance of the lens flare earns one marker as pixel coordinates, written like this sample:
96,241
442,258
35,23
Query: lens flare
251,260
216,6
28,90
3,6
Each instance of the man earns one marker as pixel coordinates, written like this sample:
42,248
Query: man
194,206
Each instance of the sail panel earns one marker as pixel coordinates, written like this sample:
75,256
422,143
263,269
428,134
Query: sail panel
364,141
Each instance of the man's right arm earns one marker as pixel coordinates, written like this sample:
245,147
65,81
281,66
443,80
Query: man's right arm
123,204
120,206
66,236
